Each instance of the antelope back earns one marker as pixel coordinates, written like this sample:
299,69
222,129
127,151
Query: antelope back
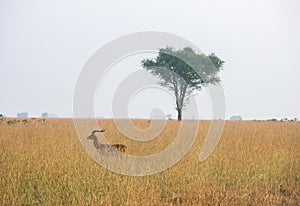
120,147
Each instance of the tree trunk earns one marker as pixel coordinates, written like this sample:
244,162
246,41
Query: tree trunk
179,110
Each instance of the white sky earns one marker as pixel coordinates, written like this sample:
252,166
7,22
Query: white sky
44,45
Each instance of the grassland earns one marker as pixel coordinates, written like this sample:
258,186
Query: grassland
255,163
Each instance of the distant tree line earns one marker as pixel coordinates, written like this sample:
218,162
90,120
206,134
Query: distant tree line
43,115
280,120
283,120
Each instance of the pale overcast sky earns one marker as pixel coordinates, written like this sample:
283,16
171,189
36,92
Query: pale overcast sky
45,44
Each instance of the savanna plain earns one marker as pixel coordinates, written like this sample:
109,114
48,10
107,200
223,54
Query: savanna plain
42,162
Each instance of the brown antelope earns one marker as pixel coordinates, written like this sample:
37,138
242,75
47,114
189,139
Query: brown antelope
105,147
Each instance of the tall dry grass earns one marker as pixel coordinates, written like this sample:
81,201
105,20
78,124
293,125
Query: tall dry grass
255,163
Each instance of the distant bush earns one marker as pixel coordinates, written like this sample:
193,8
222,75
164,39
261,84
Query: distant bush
236,118
25,121
10,122
44,115
22,115
169,116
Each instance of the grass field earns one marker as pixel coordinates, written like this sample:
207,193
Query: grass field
255,163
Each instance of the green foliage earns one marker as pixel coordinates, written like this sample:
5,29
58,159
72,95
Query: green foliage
184,71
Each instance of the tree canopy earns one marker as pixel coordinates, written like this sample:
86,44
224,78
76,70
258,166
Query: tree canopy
184,71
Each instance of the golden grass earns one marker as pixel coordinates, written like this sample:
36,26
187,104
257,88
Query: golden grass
255,163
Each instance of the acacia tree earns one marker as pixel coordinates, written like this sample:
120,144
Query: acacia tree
183,71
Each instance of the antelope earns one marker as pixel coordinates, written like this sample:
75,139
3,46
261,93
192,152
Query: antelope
105,147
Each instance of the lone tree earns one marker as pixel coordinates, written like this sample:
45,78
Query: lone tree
184,71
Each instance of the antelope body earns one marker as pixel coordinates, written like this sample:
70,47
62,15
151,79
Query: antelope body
105,147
